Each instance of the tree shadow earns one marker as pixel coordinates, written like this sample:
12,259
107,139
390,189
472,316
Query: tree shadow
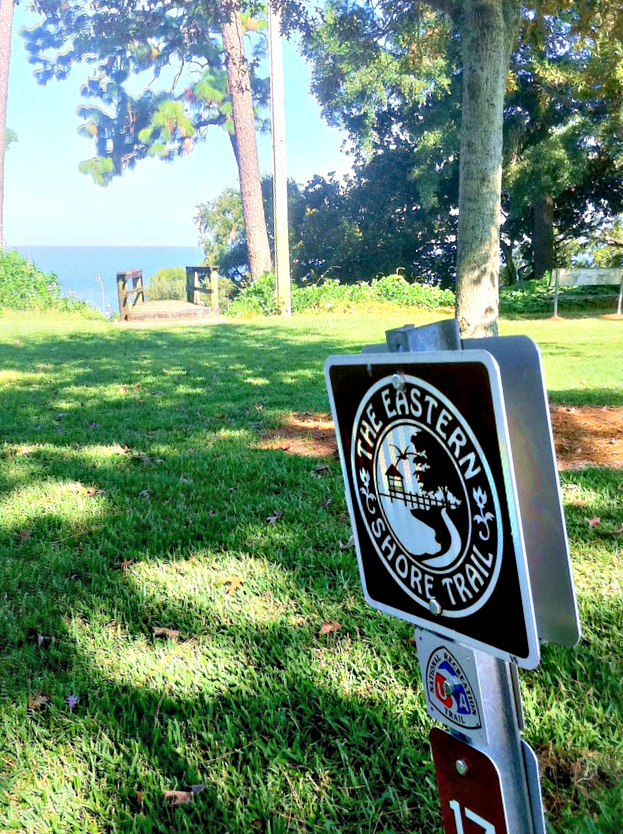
131,488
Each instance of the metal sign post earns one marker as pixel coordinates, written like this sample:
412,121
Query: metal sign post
456,537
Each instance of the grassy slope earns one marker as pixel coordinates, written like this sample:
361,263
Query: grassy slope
132,485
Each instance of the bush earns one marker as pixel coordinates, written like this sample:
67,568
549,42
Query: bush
167,284
260,297
391,289
24,287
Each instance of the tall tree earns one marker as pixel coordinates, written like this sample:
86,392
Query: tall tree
6,28
195,50
239,75
395,76
414,73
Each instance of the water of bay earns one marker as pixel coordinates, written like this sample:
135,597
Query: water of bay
89,272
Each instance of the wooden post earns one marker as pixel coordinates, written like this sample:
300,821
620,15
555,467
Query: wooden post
123,301
190,284
214,290
557,276
280,181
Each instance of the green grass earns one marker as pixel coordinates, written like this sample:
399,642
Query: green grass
133,484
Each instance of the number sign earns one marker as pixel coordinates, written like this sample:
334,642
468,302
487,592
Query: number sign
469,787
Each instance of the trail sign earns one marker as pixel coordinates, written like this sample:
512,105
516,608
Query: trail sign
469,786
429,481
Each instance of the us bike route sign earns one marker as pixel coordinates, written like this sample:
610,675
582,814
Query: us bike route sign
433,504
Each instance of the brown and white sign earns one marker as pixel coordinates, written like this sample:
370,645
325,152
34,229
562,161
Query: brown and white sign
426,460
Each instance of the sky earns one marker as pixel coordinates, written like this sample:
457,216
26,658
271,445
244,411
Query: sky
49,202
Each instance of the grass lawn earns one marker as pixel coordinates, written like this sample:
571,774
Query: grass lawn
136,496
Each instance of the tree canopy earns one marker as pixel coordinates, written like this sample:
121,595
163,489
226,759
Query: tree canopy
159,75
394,78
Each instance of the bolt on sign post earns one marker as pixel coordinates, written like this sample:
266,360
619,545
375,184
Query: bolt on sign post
455,507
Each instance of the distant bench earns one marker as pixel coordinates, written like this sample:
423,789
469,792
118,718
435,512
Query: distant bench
586,278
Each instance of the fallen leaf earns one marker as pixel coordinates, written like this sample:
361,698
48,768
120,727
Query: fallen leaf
93,425
350,543
165,371
71,701
234,582
24,535
139,797
124,564
578,503
172,633
412,641
178,797
326,503
329,628
61,416
274,517
186,480
321,467
144,493
197,788
36,702
593,522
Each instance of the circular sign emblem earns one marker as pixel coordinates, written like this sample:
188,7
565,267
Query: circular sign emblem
450,691
427,495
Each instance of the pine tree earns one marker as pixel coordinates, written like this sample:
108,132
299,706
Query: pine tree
194,50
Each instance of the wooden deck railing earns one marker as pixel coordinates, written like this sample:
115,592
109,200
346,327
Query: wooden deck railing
129,284
202,279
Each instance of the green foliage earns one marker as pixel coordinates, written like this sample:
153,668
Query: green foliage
222,234
258,298
177,45
331,296
168,283
536,298
393,81
24,287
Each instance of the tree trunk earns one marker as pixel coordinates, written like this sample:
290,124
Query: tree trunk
244,122
6,28
488,30
542,236
511,270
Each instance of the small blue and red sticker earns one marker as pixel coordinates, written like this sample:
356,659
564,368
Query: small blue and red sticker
449,690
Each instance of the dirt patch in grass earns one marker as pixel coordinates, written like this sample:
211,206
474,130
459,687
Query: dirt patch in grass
588,436
583,435
307,433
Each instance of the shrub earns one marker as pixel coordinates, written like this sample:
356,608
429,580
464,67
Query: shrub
165,284
260,297
390,289
24,287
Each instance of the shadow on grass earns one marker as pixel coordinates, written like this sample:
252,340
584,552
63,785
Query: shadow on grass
130,491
